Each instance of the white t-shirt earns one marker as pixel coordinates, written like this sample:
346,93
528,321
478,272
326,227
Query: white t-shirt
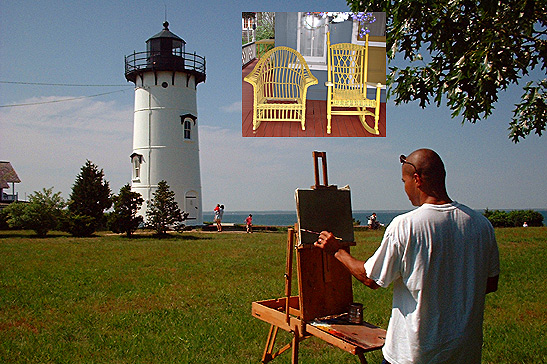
439,258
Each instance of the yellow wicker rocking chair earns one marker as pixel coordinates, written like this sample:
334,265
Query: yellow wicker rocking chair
347,83
280,82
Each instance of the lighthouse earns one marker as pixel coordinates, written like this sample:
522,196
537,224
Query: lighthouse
165,127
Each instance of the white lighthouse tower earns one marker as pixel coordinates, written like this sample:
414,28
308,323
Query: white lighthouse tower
165,132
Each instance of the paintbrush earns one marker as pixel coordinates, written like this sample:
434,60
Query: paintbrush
337,238
316,233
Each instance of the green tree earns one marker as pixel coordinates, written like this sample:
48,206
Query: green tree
40,214
123,219
266,25
497,218
3,220
474,49
531,217
514,218
163,209
90,196
79,225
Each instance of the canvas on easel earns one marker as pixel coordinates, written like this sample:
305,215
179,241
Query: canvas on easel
325,285
323,209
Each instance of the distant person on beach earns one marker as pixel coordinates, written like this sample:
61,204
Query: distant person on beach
216,210
217,214
219,217
372,222
442,259
249,222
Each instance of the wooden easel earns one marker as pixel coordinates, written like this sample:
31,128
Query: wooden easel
325,293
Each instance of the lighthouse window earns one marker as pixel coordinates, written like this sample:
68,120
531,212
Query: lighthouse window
137,160
137,166
187,129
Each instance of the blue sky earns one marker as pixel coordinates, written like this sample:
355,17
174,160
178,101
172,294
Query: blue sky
85,43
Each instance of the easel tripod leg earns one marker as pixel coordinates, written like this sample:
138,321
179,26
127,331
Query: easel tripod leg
295,340
362,358
267,356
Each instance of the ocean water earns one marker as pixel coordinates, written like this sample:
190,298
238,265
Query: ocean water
288,218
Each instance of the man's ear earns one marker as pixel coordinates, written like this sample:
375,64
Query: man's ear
417,179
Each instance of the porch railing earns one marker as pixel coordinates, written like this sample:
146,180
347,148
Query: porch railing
248,53
10,198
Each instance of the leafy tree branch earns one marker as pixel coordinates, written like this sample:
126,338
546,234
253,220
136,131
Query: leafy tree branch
476,49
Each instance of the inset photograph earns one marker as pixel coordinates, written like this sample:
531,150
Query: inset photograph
313,74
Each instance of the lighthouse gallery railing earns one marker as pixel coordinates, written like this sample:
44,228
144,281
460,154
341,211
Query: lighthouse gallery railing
142,61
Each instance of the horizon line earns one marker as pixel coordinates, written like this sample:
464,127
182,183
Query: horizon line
373,210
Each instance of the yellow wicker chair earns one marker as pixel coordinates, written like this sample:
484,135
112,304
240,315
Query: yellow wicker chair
347,83
280,82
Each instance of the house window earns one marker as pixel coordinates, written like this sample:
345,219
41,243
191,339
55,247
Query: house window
312,38
247,23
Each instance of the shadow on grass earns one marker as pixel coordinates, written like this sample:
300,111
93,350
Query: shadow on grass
27,234
168,236
31,235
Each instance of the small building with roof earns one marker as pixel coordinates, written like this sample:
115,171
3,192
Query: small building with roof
7,176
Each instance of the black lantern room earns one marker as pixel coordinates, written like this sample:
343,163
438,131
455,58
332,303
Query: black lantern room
165,51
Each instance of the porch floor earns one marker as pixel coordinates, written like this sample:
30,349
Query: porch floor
316,119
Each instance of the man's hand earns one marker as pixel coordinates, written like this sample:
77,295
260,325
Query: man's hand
331,244
328,242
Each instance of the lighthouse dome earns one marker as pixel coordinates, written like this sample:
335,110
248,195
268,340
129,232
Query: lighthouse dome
165,51
166,41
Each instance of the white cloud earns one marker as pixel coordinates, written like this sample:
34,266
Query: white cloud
234,107
47,144
260,174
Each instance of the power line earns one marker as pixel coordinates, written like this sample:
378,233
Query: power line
60,84
62,100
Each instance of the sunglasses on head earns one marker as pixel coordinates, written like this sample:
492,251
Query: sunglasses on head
402,159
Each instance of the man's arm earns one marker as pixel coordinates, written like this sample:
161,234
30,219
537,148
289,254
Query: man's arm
492,284
330,244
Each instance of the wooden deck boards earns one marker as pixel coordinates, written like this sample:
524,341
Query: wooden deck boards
316,119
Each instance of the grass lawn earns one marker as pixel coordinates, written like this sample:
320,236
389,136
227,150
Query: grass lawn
187,299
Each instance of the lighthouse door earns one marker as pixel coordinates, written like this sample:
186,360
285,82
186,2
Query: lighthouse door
191,205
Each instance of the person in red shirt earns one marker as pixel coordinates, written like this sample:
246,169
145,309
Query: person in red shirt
249,222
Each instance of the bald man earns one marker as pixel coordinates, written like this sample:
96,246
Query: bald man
442,259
